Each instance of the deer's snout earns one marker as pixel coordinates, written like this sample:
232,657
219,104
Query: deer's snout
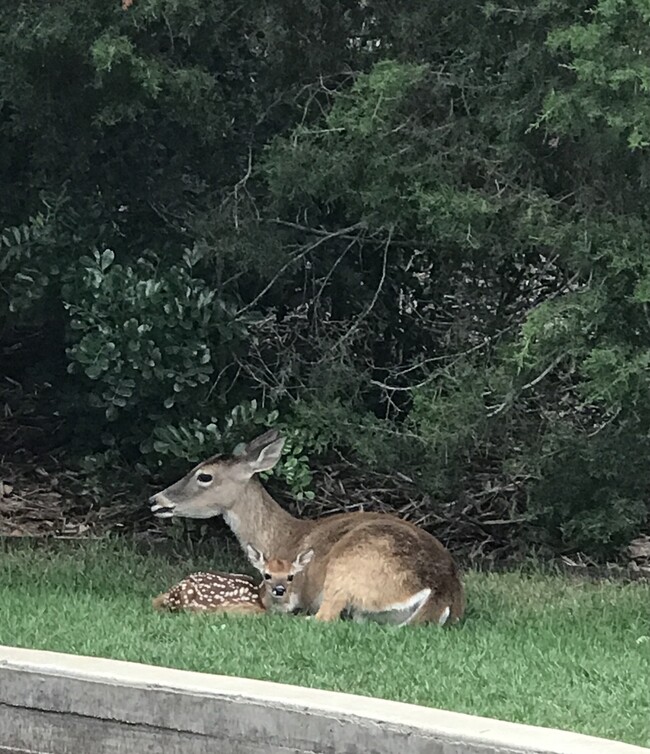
279,590
160,507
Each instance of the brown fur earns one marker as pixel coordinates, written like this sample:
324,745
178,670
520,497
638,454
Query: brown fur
363,562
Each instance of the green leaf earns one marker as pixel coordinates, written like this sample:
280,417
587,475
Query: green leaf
106,259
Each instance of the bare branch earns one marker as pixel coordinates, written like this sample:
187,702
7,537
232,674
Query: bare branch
241,183
498,409
317,231
303,253
371,305
338,261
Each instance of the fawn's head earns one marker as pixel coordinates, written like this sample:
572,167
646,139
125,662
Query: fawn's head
213,486
277,590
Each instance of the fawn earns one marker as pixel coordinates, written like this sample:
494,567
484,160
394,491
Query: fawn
212,592
236,593
279,590
366,564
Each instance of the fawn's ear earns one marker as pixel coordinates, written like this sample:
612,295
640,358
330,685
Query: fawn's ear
302,560
256,557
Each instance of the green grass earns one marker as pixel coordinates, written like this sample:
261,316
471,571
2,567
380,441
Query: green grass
534,648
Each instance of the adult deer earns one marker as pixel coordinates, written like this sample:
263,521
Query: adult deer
367,564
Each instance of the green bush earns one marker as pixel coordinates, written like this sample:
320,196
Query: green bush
586,499
412,235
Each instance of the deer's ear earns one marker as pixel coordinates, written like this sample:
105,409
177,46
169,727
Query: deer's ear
261,441
302,560
256,557
264,457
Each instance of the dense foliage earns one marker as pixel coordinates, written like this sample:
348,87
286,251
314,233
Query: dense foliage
413,233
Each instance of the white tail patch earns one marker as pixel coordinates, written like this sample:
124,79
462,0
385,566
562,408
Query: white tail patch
414,604
444,616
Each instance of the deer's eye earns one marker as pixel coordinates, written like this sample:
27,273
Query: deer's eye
204,478
267,576
290,577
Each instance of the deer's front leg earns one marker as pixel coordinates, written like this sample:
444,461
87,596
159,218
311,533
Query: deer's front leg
331,609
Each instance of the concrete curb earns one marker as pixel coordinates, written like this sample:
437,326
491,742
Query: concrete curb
66,704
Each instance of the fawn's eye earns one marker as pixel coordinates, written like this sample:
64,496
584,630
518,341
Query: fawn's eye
204,478
290,577
267,576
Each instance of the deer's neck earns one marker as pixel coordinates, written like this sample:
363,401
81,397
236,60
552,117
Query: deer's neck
257,519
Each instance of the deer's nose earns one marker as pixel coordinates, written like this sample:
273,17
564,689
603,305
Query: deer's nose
279,590
162,508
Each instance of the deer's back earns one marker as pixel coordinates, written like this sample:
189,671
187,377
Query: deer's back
327,531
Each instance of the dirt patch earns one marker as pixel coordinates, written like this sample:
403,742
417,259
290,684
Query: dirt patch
48,500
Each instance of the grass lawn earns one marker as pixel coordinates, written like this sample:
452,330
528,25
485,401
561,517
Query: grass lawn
538,649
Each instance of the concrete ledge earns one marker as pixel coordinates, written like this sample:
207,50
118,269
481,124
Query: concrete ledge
65,704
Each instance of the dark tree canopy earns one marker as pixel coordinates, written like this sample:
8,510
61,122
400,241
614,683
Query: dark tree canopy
412,233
